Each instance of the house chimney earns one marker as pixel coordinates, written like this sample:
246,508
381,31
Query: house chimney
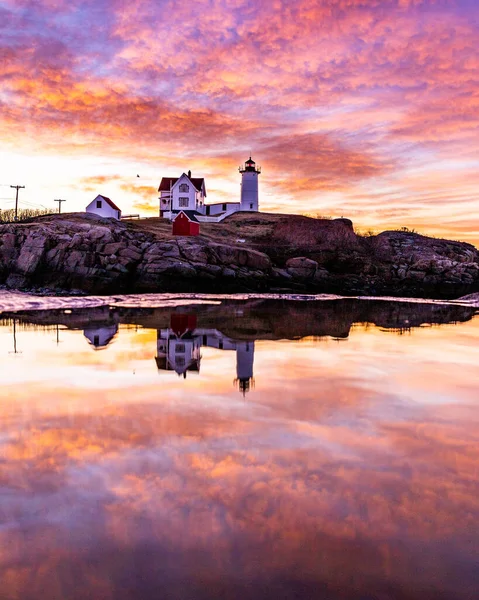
189,173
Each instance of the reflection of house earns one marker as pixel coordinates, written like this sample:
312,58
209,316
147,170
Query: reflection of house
180,354
100,337
179,349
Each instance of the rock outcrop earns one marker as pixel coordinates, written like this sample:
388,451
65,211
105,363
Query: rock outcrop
100,255
97,255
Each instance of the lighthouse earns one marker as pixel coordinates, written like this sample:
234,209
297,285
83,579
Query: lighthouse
249,186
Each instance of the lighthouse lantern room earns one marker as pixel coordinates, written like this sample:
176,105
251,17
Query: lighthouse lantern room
249,186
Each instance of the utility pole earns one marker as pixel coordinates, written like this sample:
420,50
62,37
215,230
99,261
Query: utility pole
15,351
59,205
17,187
58,335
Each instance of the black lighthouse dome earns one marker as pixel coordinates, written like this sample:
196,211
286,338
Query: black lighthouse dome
250,165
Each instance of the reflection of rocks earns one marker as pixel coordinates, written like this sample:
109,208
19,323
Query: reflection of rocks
98,255
235,325
84,318
473,299
267,319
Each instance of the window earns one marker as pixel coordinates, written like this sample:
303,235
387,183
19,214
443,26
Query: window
96,340
98,203
119,214
180,361
184,187
183,201
180,349
208,210
224,206
251,207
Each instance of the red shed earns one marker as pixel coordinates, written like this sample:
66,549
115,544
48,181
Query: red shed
185,223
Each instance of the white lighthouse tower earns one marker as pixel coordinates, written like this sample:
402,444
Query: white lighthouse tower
249,186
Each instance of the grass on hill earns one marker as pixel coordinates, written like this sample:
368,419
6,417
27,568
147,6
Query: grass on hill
260,229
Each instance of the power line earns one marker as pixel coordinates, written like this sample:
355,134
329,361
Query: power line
59,205
34,204
17,187
29,203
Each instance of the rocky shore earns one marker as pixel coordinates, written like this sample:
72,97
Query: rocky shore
260,252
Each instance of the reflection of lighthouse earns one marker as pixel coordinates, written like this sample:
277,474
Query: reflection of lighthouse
244,365
249,186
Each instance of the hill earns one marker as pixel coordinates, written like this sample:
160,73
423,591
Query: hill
260,251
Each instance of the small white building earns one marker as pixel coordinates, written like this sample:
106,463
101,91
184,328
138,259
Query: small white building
189,193
104,207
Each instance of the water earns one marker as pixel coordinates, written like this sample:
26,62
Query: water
244,449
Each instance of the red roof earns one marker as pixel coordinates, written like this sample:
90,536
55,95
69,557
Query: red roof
110,202
168,182
190,215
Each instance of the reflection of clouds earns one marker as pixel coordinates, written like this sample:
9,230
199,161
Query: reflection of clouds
324,476
241,484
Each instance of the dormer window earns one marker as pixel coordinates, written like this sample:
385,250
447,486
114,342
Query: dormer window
184,187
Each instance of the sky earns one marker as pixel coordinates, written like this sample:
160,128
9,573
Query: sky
367,109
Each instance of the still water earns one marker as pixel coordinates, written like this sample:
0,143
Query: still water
243,449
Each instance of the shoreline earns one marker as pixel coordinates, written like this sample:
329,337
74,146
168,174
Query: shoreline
13,300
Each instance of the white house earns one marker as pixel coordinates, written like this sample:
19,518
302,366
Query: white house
181,193
104,207
189,193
